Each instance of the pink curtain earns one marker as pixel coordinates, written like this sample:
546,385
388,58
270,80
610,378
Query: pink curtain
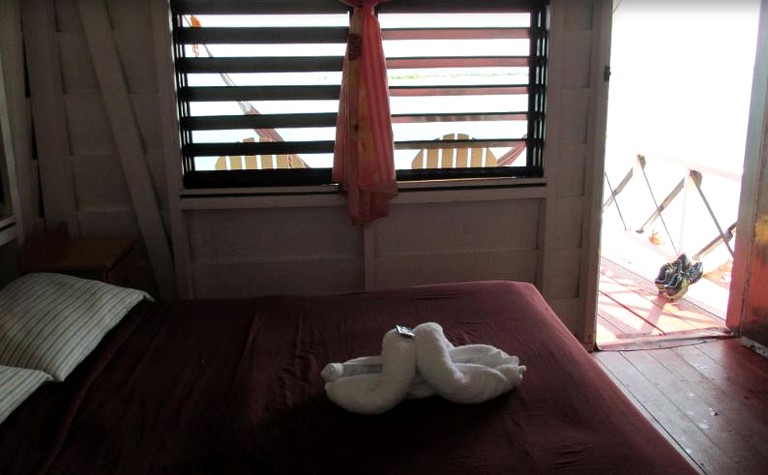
363,162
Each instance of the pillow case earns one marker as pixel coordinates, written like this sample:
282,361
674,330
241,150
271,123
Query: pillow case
51,322
16,384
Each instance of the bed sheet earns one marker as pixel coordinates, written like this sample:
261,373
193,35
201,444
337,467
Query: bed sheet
234,386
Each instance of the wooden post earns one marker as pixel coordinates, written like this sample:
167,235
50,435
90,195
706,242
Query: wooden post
48,109
161,30
98,33
14,123
11,218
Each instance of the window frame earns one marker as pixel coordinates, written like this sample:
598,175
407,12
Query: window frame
241,178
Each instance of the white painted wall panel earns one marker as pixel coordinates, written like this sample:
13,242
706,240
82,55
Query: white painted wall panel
569,215
107,221
78,76
460,226
97,184
412,269
578,15
67,18
148,120
293,276
156,159
133,37
578,59
88,126
570,173
570,311
562,283
272,234
575,105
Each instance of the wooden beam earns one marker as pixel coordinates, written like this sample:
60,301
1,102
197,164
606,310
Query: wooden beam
369,256
753,188
593,186
130,149
49,113
9,225
22,172
161,30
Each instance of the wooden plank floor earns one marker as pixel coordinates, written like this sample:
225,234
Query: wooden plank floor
677,362
710,400
631,312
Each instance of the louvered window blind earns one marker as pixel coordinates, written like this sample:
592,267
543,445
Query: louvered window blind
258,87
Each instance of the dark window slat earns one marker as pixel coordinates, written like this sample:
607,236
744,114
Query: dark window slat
249,178
477,143
261,65
485,90
245,93
470,172
458,117
264,35
272,121
394,34
461,6
333,63
334,6
257,148
245,7
260,121
264,93
536,66
458,62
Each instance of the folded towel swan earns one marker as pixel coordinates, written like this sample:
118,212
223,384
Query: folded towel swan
419,367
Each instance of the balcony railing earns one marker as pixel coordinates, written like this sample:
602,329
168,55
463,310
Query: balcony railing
681,205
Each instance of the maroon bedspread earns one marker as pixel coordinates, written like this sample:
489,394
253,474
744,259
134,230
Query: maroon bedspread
234,387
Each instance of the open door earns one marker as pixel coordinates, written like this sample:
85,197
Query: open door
748,309
674,162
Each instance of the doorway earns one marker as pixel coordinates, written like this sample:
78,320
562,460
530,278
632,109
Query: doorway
677,122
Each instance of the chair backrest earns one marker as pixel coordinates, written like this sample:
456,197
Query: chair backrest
455,156
258,162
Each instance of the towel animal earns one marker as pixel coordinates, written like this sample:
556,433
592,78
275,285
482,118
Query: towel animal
419,367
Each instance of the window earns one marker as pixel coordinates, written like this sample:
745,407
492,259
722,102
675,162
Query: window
258,87
466,88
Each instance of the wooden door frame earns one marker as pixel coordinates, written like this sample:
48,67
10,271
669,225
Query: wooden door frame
754,186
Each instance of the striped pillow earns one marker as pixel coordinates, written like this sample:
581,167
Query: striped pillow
51,322
16,384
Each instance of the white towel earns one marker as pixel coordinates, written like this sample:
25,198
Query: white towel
419,367
476,353
465,383
378,392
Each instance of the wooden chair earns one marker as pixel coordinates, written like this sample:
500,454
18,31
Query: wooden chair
513,154
457,156
258,162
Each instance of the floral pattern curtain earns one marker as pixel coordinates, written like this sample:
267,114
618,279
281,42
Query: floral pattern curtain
363,162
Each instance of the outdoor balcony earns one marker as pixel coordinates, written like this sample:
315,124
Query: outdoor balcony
656,208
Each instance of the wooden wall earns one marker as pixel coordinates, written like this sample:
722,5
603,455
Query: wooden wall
107,143
748,306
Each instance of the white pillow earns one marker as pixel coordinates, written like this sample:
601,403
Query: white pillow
16,384
51,322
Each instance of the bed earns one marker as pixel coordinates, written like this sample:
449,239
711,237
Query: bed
234,386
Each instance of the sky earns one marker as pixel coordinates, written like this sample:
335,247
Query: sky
680,87
681,75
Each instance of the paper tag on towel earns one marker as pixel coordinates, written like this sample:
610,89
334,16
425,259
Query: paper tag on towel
404,331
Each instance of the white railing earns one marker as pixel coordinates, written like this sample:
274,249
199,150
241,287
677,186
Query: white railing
686,206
